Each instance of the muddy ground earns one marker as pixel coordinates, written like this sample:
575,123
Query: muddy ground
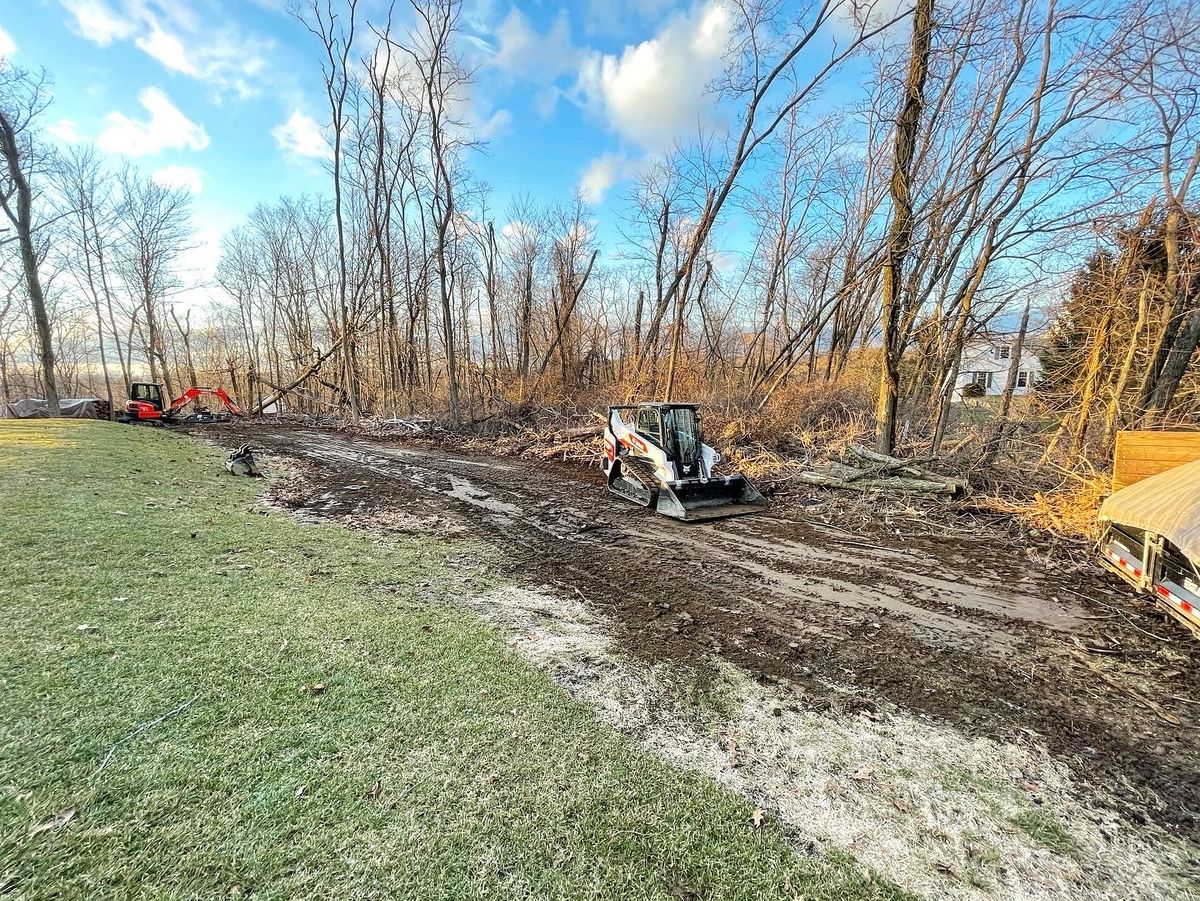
994,639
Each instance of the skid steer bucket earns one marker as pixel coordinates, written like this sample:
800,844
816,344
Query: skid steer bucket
695,500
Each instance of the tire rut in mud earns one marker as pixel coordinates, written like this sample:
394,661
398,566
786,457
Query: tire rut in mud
956,631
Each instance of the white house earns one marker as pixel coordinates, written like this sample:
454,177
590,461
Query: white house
986,362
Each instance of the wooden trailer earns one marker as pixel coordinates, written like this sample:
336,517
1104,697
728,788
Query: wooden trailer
1150,537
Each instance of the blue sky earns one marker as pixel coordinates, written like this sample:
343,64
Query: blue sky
224,96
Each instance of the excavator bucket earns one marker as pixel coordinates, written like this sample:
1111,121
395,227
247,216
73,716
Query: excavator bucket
722,496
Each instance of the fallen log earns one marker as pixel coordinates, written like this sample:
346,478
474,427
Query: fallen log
892,484
879,464
413,427
574,449
843,471
276,396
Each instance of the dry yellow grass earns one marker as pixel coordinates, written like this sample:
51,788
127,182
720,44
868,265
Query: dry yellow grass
1069,512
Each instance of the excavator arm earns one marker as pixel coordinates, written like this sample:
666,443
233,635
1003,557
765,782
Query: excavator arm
192,393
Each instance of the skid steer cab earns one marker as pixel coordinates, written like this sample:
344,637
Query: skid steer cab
146,405
655,456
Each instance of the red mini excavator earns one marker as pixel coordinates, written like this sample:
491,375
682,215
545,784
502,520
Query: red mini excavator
145,404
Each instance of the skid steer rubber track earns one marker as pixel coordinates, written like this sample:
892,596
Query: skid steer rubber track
636,481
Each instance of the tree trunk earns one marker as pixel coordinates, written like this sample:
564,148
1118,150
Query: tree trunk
1014,367
22,220
899,234
637,320
1182,350
677,336
185,333
1112,416
565,316
1171,326
1091,380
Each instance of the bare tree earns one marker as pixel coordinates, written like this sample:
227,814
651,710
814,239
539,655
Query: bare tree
23,98
571,248
337,42
765,83
155,231
1161,74
443,78
525,240
87,190
900,232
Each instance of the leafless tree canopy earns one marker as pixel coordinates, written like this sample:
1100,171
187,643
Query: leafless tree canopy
901,186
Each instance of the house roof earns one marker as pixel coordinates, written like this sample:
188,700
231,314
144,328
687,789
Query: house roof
1034,343
1031,337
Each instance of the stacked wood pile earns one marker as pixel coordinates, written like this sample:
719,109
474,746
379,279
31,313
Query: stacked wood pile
1141,454
867,470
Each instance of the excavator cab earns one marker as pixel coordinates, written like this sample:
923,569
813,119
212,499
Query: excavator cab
655,455
147,393
145,404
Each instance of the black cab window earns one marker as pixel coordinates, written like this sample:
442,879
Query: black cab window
647,424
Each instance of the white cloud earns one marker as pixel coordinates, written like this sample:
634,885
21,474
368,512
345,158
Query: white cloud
601,174
167,48
202,46
478,14
99,22
166,128
725,261
495,125
198,262
65,131
217,56
523,54
301,136
179,177
8,46
516,231
521,51
546,100
658,90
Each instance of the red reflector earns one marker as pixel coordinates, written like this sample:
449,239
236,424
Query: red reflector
1185,606
1163,591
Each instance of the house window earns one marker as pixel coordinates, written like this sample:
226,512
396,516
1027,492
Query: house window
1002,351
982,379
1024,379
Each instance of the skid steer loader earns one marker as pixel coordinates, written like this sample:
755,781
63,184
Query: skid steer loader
659,459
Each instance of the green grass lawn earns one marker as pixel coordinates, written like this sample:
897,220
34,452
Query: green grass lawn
218,702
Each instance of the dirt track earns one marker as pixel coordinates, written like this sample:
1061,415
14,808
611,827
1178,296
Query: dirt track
989,642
